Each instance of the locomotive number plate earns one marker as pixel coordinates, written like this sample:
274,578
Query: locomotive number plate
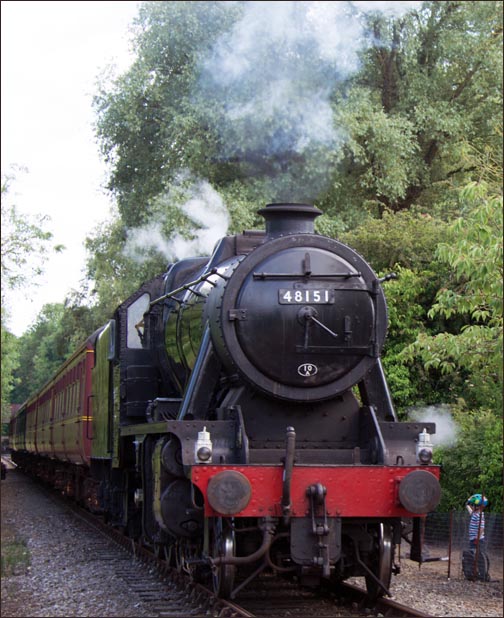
302,297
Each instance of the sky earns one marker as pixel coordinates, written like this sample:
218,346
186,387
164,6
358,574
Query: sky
51,56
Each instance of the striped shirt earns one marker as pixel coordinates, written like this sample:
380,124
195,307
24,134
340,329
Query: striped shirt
476,523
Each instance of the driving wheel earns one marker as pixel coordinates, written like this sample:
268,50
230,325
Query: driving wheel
223,546
381,562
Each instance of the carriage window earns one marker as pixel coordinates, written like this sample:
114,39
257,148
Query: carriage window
136,321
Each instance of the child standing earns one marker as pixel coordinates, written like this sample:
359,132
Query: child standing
476,505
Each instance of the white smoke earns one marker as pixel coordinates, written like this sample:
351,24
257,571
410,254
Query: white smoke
144,240
446,428
207,209
271,78
210,217
389,9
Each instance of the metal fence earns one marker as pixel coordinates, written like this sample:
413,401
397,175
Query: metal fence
446,535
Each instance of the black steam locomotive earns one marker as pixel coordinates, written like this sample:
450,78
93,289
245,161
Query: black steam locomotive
234,415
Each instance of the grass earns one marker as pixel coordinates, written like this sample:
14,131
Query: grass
15,557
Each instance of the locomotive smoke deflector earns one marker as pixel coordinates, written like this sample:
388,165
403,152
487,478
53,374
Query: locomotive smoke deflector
283,219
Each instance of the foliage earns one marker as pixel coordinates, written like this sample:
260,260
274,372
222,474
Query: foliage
57,331
462,353
430,90
148,122
112,275
382,148
474,253
474,464
404,243
429,84
9,355
406,316
22,237
408,238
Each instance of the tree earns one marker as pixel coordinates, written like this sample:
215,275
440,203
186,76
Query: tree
112,274
387,136
408,238
9,352
22,237
473,251
467,351
404,243
428,88
54,336
474,465
149,125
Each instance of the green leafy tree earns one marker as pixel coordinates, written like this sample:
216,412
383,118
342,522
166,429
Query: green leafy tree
468,352
39,357
430,88
404,243
473,251
408,238
54,336
113,276
149,124
9,355
474,464
407,315
22,237
428,85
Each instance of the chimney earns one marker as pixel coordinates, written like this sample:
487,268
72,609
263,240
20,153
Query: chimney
283,219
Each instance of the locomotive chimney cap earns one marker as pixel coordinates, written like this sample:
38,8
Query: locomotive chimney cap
287,218
286,208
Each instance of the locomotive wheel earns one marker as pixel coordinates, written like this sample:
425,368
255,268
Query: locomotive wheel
223,546
381,562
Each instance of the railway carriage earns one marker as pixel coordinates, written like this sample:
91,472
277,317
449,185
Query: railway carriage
241,418
52,429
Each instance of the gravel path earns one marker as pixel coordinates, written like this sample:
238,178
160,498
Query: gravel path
68,575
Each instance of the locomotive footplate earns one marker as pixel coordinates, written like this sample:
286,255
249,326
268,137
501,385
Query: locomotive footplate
316,540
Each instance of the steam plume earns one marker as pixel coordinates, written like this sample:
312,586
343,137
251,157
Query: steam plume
446,428
271,79
206,209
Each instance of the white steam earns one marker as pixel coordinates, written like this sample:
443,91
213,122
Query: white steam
389,9
209,212
275,71
446,428
269,83
271,80
210,217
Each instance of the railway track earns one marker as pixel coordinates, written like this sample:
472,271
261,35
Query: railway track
171,593
270,596
273,594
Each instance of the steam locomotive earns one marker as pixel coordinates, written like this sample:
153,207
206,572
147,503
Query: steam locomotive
234,415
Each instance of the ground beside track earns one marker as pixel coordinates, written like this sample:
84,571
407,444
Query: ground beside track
66,573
